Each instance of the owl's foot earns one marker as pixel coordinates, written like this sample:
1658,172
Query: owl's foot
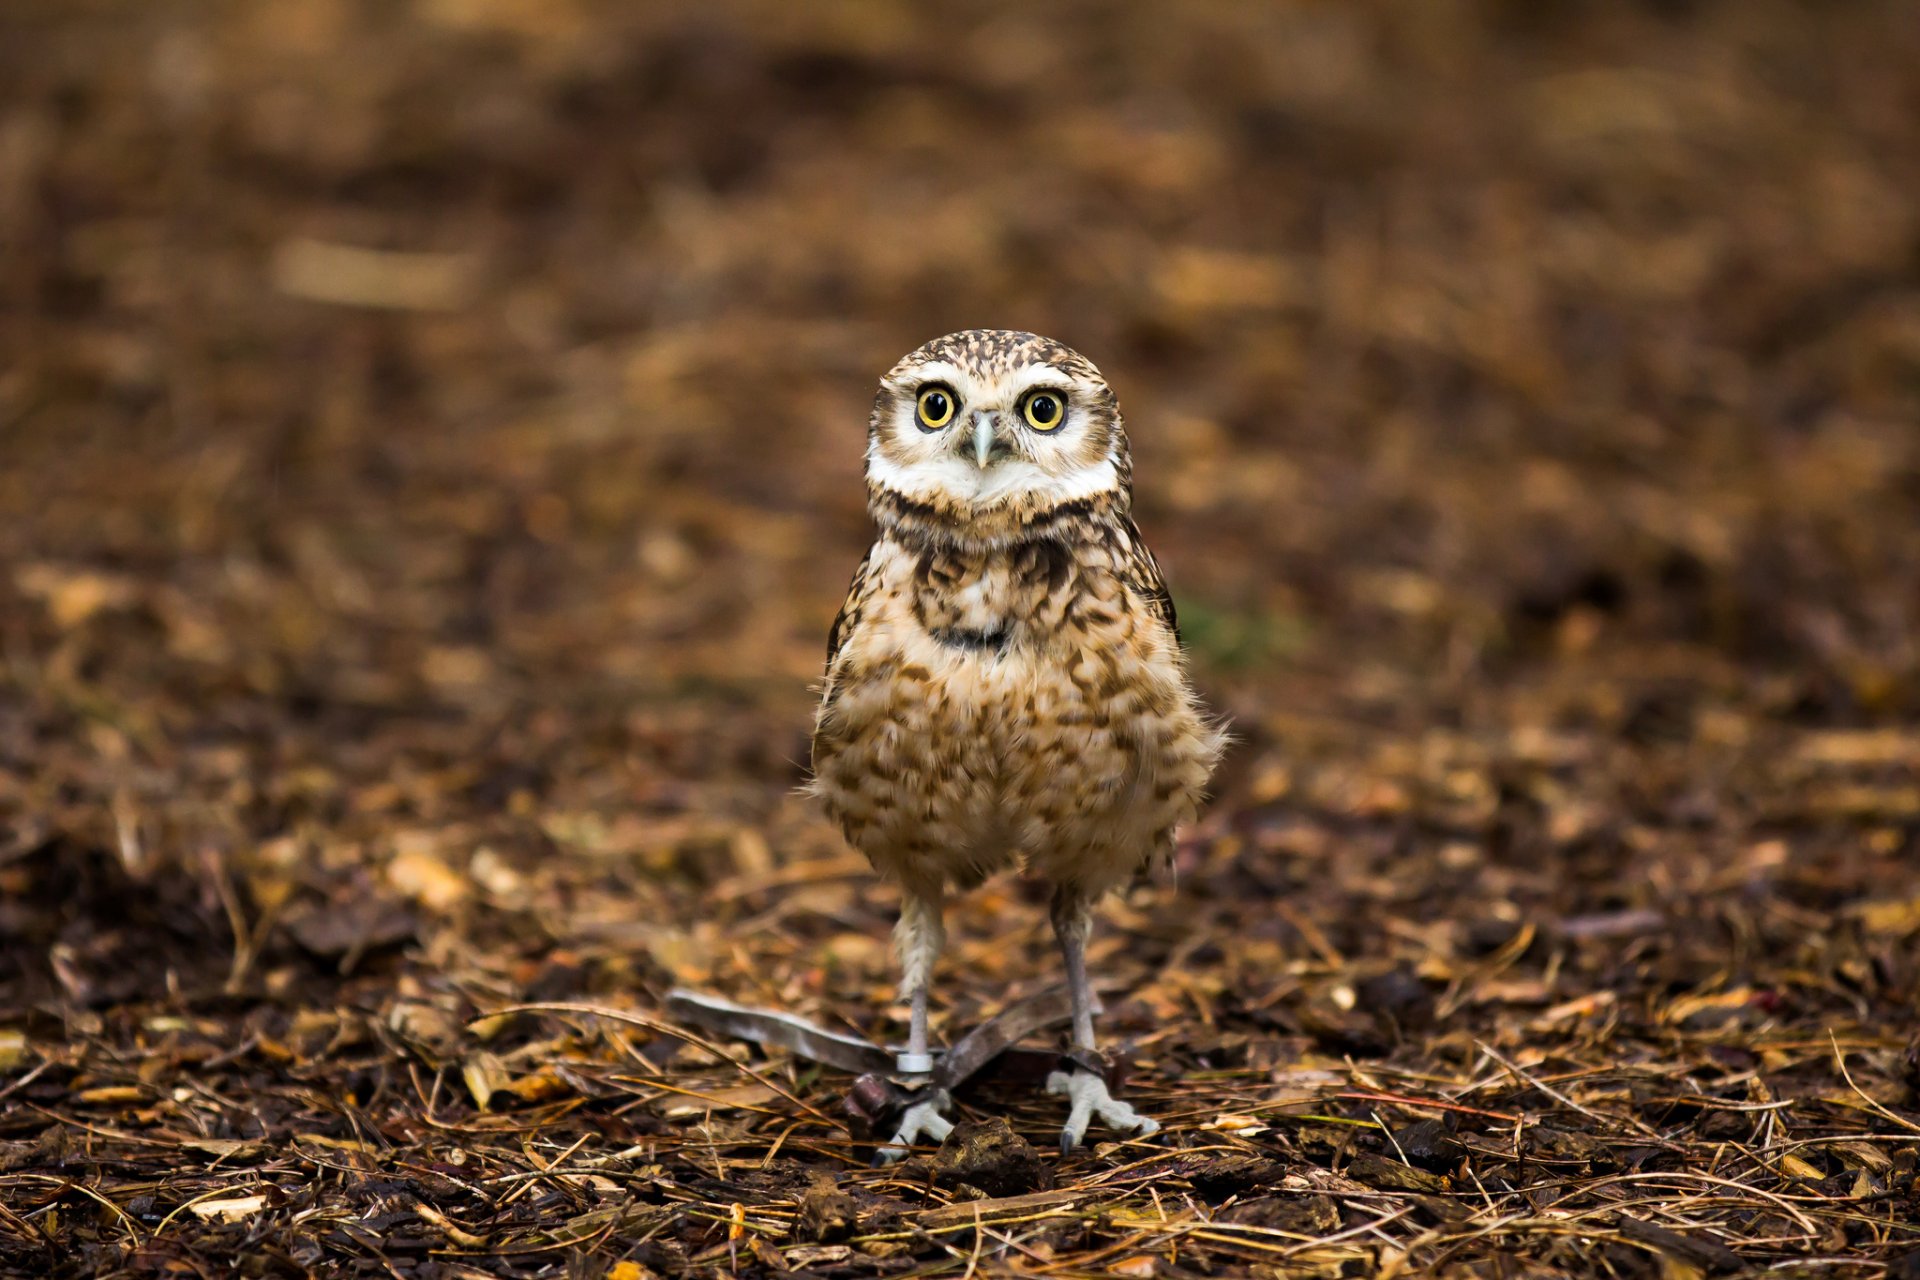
1087,1096
926,1118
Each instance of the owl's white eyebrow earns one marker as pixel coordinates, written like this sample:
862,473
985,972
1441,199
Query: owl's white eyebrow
919,376
1038,376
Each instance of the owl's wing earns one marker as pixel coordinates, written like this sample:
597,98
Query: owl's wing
843,622
1143,575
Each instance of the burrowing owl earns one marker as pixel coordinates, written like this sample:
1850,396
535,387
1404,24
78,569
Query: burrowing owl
1004,682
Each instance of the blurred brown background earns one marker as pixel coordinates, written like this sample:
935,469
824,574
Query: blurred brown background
476,349
430,443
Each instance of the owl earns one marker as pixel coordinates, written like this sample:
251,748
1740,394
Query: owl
1005,684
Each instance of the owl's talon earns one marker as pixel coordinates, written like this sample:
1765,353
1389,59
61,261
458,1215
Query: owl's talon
1087,1096
926,1117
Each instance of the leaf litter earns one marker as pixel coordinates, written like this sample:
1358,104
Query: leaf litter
429,461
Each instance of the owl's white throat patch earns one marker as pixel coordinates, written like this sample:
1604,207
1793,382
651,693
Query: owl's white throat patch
1011,481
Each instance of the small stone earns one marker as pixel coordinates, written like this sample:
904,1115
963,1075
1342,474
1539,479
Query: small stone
1399,996
1390,1175
1726,1126
1303,1215
827,1214
1216,1180
990,1156
1428,1145
1561,1145
1487,935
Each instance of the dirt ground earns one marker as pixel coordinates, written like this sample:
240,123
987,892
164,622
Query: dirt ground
430,444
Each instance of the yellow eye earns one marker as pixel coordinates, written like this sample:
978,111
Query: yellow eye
1044,410
936,407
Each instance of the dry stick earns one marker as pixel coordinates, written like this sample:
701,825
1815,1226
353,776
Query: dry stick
1166,1232
1210,1234
117,1135
1525,1221
1482,1188
25,1080
21,1225
462,1183
1771,1123
236,919
666,1029
536,1174
1698,1250
183,1205
66,1184
1309,1242
1406,1101
1007,1240
427,1104
723,1104
979,1240
1555,1094
1681,1175
1298,1238
1840,1061
781,1141
1310,931
586,1245
1051,1213
1823,1139
798,873
1110,1175
354,1171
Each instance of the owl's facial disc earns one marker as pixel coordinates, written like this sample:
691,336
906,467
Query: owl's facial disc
983,424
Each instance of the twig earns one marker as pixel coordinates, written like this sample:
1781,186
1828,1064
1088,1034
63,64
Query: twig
1405,1101
1553,1093
665,1029
1840,1061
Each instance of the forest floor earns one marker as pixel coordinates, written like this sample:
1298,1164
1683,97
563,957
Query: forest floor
430,446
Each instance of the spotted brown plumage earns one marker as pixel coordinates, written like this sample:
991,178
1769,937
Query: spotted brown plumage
1005,685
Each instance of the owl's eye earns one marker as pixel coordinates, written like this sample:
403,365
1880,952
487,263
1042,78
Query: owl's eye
936,407
1044,410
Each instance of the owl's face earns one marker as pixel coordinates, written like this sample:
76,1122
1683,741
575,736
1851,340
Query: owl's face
987,423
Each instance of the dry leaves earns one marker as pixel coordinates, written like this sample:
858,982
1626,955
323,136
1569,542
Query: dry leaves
430,445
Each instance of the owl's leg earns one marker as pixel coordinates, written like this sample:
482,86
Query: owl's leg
1084,1087
919,937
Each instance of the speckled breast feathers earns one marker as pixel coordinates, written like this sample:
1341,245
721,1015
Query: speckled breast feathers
1004,682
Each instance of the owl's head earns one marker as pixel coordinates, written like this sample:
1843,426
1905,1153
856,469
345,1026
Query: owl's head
985,434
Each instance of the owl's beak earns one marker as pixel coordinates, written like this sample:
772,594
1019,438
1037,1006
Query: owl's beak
987,444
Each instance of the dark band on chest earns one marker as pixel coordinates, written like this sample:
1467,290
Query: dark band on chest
972,641
947,526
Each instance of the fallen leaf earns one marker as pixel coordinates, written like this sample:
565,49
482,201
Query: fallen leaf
349,275
539,1086
13,1049
224,1148
485,1075
337,1144
231,1209
731,1097
72,596
1236,1124
1793,1166
354,925
1391,1175
423,877
454,1232
1892,919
